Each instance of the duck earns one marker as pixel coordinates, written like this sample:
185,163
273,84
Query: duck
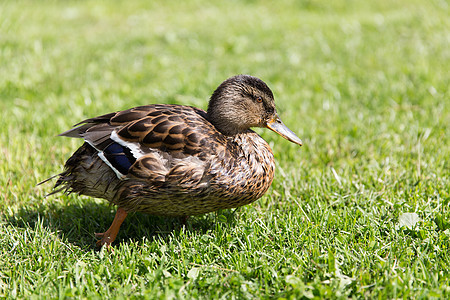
176,160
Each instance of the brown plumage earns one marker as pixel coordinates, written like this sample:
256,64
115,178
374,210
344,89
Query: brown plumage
175,160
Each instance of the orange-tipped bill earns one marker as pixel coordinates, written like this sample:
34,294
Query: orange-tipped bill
278,126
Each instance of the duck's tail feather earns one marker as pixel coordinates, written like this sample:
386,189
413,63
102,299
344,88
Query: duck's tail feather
55,190
85,173
48,179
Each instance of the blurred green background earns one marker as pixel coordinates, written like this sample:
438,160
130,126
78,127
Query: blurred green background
365,84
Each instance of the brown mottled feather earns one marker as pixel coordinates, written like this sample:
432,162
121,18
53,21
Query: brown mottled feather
189,167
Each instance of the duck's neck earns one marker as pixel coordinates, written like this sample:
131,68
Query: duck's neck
227,128
224,116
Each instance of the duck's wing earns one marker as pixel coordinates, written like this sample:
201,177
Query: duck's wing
153,141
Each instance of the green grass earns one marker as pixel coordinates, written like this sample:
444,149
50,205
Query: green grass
365,84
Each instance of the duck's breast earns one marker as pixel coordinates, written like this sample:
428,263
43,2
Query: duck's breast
246,172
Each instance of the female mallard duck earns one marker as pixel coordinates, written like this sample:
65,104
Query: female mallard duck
174,160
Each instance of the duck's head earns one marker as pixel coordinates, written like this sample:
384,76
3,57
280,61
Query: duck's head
244,101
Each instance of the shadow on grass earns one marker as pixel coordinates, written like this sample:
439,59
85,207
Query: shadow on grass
77,223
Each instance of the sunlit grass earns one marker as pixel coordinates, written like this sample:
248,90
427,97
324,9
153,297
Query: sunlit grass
364,84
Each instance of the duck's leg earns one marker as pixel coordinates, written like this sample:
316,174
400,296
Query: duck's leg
107,237
183,220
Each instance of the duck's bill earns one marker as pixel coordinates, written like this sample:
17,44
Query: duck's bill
278,126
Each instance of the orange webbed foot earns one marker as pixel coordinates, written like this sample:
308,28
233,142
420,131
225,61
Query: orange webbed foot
104,238
107,237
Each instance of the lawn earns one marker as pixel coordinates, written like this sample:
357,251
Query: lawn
361,210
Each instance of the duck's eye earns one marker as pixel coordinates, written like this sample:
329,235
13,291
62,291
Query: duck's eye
259,99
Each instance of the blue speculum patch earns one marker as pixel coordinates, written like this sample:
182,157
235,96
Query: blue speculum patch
120,157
